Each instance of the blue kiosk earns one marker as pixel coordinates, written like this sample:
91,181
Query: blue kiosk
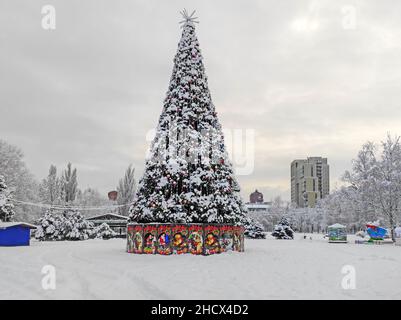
15,234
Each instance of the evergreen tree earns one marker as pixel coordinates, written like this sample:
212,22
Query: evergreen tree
103,231
253,229
50,227
70,225
126,190
188,176
6,206
75,227
283,230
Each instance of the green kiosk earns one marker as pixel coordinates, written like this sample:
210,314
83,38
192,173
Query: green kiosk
337,233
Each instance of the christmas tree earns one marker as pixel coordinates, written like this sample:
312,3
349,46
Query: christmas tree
6,207
283,230
188,177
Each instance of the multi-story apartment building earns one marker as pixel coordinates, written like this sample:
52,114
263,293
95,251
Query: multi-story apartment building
309,181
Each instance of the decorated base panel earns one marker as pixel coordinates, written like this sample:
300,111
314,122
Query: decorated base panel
180,238
238,238
135,238
197,239
226,238
149,238
211,244
164,236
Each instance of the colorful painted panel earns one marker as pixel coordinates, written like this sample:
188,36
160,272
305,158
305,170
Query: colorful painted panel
211,243
149,239
238,238
226,238
130,239
195,239
135,238
180,238
164,236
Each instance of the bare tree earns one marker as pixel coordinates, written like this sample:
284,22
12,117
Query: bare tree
126,190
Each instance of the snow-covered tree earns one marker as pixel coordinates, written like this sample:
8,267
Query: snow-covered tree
70,225
188,176
283,230
75,227
50,227
20,180
6,205
126,190
103,231
253,229
376,180
69,184
50,189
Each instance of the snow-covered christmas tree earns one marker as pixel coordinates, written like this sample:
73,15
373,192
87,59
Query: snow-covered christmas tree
188,177
6,206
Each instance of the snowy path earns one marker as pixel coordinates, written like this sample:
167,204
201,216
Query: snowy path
269,269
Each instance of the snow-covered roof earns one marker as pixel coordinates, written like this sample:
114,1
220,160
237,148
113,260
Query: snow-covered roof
4,225
118,216
258,205
337,226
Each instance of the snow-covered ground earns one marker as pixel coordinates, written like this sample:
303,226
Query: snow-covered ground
269,269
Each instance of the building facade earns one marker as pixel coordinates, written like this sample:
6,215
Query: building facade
310,181
257,204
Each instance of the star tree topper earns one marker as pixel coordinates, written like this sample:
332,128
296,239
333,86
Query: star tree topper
188,18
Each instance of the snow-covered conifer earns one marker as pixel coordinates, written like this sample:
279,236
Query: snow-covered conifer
253,229
188,176
103,231
50,227
75,227
283,230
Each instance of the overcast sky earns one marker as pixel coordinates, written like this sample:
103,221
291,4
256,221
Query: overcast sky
306,78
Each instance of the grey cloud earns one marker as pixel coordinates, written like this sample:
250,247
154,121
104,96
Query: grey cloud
89,91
